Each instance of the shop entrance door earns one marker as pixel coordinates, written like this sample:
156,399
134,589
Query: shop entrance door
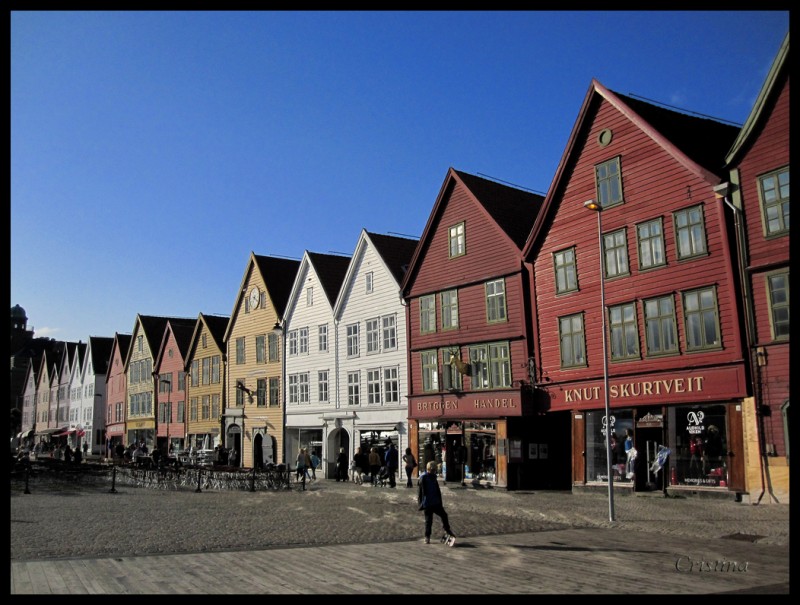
455,457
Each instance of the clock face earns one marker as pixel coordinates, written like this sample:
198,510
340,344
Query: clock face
254,297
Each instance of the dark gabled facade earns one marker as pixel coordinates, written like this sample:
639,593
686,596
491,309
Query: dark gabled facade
673,343
757,197
466,290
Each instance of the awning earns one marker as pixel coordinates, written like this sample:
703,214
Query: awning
50,431
385,426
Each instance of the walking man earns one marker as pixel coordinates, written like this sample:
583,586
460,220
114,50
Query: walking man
392,463
430,500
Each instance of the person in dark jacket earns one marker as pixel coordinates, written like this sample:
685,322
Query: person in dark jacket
429,497
341,465
392,460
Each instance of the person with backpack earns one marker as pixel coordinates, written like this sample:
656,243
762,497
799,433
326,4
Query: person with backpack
411,464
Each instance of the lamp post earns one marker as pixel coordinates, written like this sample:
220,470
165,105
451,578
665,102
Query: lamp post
277,330
594,206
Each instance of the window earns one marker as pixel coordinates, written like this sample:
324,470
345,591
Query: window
352,340
566,275
322,338
496,300
702,319
451,377
293,388
240,350
368,282
353,388
391,385
274,391
430,371
374,386
457,240
690,232
778,296
261,349
206,407
215,360
272,341
573,348
293,342
490,366
427,313
140,343
302,344
206,376
322,386
774,192
303,384
204,340
239,393
261,392
615,247
500,365
659,320
193,408
651,244
215,406
609,183
309,296
373,336
181,412
389,333
194,373
624,332
449,309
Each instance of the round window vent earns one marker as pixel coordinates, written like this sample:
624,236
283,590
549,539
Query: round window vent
604,138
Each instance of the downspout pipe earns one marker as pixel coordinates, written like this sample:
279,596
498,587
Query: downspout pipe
722,192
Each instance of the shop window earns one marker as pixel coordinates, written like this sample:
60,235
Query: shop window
699,454
621,421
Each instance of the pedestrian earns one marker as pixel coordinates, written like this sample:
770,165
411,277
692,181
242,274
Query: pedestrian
301,465
77,457
411,464
341,465
392,463
309,464
374,466
233,457
314,464
85,448
429,497
68,454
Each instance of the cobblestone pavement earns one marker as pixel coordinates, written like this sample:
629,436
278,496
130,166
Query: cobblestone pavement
59,520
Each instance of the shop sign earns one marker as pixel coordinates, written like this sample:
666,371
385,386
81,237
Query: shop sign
650,421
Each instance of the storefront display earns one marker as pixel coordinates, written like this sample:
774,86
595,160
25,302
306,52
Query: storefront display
621,422
699,455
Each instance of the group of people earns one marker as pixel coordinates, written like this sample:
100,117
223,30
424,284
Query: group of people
60,451
373,468
307,464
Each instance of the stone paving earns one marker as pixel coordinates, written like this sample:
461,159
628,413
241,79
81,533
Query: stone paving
61,520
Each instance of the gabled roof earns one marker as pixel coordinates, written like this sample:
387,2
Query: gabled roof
395,251
182,329
770,90
330,269
101,353
121,343
278,276
698,144
217,325
153,327
510,209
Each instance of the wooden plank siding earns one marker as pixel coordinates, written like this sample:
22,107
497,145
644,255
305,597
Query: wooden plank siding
654,186
204,346
762,149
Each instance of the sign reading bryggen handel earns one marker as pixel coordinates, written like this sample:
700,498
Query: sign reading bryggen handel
486,405
687,386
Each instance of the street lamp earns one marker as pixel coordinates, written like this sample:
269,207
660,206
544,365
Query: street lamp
277,330
594,206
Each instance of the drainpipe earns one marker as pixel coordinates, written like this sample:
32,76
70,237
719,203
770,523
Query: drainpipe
722,192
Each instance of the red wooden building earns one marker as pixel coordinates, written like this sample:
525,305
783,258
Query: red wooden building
470,399
757,196
676,373
116,393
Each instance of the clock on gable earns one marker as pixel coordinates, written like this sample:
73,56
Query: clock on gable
254,297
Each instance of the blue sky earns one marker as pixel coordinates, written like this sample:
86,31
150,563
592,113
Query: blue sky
151,152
